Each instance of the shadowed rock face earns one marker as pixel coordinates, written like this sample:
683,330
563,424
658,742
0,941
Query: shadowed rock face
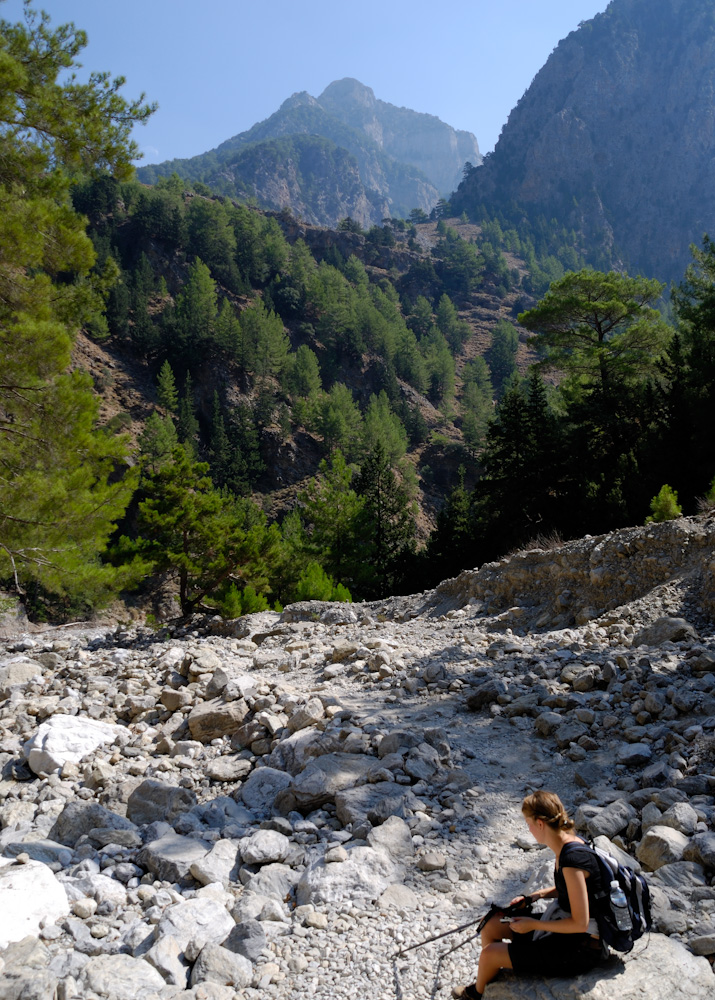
615,136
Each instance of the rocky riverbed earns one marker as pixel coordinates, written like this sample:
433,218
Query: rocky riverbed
274,807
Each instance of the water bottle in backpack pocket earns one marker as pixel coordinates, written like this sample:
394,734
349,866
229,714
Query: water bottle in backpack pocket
619,907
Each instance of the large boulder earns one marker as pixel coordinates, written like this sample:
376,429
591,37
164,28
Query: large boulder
153,800
662,845
198,920
216,964
264,847
17,672
260,789
664,970
213,719
171,857
78,818
67,738
375,803
664,630
30,896
323,778
121,977
612,819
363,877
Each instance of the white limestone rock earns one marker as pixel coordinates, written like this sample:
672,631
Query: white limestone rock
66,738
30,895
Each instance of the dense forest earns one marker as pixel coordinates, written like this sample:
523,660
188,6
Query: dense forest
356,352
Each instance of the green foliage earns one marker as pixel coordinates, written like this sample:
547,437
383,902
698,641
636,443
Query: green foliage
382,426
157,442
315,585
203,538
60,497
166,392
331,508
339,420
241,602
600,328
385,526
664,506
502,353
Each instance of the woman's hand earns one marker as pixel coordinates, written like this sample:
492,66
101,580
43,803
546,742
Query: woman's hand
522,925
518,899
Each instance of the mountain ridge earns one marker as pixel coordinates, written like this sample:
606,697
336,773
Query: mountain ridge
340,149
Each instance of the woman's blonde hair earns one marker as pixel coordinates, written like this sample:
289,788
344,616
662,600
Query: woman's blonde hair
548,807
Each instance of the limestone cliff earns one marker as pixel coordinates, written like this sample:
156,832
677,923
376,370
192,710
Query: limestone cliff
616,135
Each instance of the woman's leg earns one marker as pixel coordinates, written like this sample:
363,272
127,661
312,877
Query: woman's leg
493,958
495,930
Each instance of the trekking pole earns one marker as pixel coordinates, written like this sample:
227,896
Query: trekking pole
436,937
493,909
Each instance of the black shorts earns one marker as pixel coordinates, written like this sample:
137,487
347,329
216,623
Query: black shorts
554,955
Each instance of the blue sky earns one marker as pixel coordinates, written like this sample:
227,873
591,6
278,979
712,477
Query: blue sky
218,66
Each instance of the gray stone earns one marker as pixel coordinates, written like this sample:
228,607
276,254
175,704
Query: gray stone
213,719
324,777
17,672
702,850
634,754
394,837
400,738
247,938
547,723
662,845
264,846
432,861
569,732
704,944
221,864
486,693
612,819
228,769
650,816
681,816
422,762
166,957
665,630
170,857
199,920
275,881
154,800
588,774
306,715
398,897
260,789
681,876
374,803
47,851
219,965
121,977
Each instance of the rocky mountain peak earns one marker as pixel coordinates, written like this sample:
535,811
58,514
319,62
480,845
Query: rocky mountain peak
347,92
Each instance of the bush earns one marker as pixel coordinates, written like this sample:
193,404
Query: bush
665,506
315,585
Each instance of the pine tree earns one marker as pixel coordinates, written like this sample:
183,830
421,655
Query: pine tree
166,389
331,507
204,539
187,428
386,525
220,446
60,495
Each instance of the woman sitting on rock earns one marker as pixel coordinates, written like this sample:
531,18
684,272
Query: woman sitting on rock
564,941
